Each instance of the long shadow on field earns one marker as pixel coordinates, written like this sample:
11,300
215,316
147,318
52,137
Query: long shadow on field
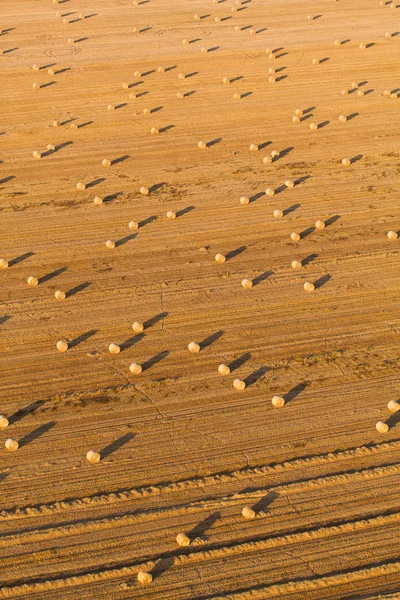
82,338
262,277
3,476
77,289
4,319
332,220
125,239
290,209
236,252
256,375
308,259
23,412
262,505
154,360
238,362
213,142
296,391
200,529
393,420
37,433
307,232
160,567
154,320
184,211
132,341
95,182
322,281
147,221
20,258
211,339
116,445
52,275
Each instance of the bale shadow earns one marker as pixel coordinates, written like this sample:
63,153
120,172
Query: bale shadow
82,338
116,445
184,211
262,277
52,275
95,182
77,289
154,360
23,412
353,116
306,261
263,504
125,239
36,434
147,221
120,159
238,362
161,566
256,375
131,341
291,209
153,320
200,529
213,142
20,258
234,253
356,159
211,339
393,420
296,391
322,281
4,319
323,124
332,220
307,232
166,128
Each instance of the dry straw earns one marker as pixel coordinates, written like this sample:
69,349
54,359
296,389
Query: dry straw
309,287
93,457
239,384
144,577
32,281
220,258
278,401
3,421
11,445
60,295
110,244
382,427
114,349
248,512
247,283
62,346
3,263
171,215
224,369
194,347
182,539
393,406
135,368
137,326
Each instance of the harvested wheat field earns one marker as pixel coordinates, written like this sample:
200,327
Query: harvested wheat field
200,318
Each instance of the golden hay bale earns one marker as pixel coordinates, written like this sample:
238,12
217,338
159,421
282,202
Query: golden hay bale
133,225
144,577
392,235
224,370
271,70
271,79
296,119
36,154
267,160
226,80
220,258
309,287
11,445
203,50
315,61
3,421
202,145
342,118
146,111
32,281
62,346
80,186
137,326
50,147
244,200
270,191
171,215
319,224
185,42
298,112
313,126
237,96
346,162
114,349
296,265
344,92
253,147
110,244
154,131
289,184
180,95
295,236
393,406
51,71
271,56
56,123
247,283
252,31
248,512
125,85
362,46
197,17
278,401
382,427
106,163
70,41
93,457
73,126
111,107
3,263
278,214
35,68
181,76
337,43
135,368
360,93
194,347
388,35
182,539
144,190
239,384
97,200
60,295
275,153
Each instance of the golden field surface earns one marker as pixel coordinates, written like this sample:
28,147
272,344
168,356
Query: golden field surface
182,450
